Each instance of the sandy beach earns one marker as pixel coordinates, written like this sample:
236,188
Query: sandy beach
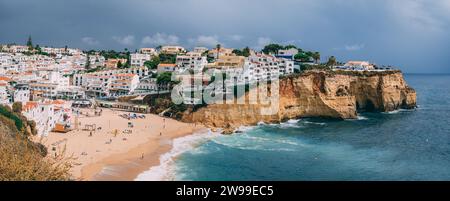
116,151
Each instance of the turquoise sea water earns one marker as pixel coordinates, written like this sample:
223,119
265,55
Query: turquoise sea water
400,145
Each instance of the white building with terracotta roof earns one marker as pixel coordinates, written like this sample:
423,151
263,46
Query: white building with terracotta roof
78,79
15,48
191,61
214,53
6,62
267,67
166,68
110,82
172,49
149,51
47,114
359,65
55,51
123,84
138,59
200,49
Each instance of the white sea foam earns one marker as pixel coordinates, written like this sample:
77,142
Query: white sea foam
246,146
359,118
316,123
165,170
397,111
261,123
392,112
246,128
362,117
286,125
261,139
293,121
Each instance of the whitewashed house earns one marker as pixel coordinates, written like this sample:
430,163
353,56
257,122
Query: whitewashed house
172,50
4,95
138,59
123,84
46,114
150,51
191,61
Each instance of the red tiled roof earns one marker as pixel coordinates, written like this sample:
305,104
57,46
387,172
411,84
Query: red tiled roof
58,102
29,105
166,65
3,78
125,75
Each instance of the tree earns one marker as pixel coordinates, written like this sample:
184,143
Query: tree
272,48
88,61
331,61
38,48
119,64
302,56
128,54
167,58
30,43
290,47
152,64
164,78
237,52
17,107
205,53
316,57
246,52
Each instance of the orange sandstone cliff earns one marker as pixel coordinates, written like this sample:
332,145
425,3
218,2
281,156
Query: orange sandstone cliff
329,94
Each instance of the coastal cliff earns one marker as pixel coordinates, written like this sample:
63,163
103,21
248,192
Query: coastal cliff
21,159
328,94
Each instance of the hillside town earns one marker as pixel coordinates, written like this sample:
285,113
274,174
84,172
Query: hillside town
50,83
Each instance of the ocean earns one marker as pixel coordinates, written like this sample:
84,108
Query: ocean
402,145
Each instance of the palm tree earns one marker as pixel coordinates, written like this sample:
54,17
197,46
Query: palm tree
218,46
30,43
332,61
316,57
88,62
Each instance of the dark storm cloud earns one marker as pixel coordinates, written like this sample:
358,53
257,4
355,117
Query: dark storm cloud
412,34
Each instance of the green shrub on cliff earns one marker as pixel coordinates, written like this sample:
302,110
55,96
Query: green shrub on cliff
7,112
307,67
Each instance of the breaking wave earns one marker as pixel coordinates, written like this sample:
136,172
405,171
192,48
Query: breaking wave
166,170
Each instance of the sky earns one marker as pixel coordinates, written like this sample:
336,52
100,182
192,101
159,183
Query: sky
412,35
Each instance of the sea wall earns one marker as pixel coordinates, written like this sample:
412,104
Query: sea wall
329,94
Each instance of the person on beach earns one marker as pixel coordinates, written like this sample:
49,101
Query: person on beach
160,133
142,156
90,134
